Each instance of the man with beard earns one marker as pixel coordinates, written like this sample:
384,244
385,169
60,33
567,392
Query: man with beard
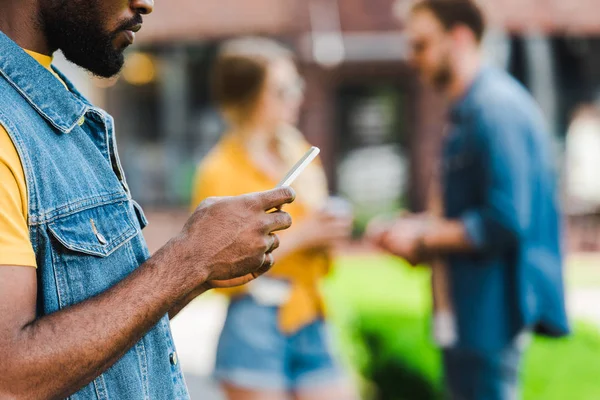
84,309
493,237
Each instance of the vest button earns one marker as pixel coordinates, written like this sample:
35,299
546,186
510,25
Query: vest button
101,238
173,358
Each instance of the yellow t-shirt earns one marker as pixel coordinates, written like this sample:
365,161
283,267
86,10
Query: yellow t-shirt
15,245
228,171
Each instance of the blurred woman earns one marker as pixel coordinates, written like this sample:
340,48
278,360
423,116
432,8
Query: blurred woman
274,344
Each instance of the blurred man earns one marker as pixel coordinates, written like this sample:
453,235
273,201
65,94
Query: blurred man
83,307
582,162
498,233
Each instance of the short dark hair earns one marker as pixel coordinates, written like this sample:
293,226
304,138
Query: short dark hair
455,12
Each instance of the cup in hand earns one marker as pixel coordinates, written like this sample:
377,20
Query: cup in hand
339,207
341,211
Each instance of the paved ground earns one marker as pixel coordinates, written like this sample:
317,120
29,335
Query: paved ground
202,388
585,304
196,331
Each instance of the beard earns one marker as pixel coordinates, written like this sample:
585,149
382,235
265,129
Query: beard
443,75
76,28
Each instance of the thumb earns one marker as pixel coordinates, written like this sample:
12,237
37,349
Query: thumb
242,280
230,283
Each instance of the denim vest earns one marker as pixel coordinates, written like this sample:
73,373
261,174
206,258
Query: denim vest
84,227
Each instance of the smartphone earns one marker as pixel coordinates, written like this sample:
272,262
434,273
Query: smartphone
297,169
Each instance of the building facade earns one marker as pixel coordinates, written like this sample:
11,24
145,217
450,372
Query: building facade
378,128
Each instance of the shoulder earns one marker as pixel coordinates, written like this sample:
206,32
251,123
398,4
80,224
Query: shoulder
293,145
501,99
504,112
292,137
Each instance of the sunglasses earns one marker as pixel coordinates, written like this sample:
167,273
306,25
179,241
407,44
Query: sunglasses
419,46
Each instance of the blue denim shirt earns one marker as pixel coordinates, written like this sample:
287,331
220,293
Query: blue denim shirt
500,180
84,227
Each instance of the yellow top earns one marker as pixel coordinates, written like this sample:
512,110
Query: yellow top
229,171
15,246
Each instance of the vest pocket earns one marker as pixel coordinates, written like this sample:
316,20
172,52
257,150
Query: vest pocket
91,250
97,231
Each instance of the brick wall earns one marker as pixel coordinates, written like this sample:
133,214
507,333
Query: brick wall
189,20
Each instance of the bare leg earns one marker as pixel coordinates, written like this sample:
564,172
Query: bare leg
339,391
236,393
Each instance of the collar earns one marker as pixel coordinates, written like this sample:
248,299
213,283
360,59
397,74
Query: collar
461,108
59,106
43,59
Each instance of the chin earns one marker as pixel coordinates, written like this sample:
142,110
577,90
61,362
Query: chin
291,122
292,119
120,46
424,78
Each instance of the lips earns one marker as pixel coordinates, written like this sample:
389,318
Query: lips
135,28
130,33
129,36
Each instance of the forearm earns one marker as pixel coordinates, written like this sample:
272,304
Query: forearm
180,305
444,237
54,356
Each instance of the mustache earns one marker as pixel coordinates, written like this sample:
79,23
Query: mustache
130,23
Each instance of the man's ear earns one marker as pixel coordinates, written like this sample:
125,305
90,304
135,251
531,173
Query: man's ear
462,35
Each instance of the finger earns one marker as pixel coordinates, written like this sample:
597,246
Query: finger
390,242
376,230
277,221
269,261
221,284
275,198
266,265
272,242
264,259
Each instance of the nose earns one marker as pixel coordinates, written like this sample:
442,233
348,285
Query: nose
142,6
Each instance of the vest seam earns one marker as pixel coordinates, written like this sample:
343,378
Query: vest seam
128,235
60,289
76,207
143,363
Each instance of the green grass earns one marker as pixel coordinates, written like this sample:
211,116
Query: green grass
564,369
384,296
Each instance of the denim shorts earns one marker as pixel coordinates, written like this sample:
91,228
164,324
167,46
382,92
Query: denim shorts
254,354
